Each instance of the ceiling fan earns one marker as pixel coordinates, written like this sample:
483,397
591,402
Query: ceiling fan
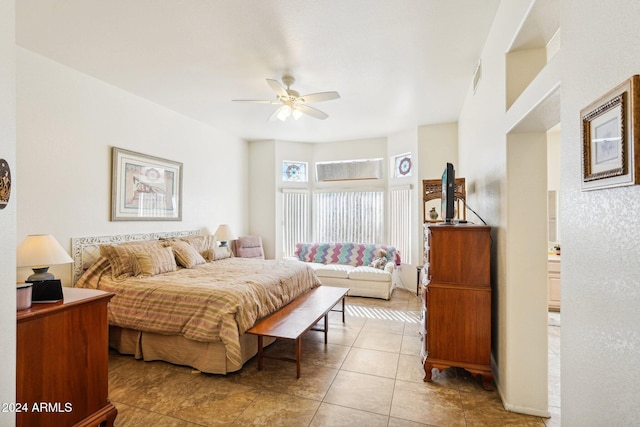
291,103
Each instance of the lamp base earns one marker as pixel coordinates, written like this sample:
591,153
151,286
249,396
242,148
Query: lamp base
40,274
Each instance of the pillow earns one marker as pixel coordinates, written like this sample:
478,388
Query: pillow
153,261
91,276
255,252
216,254
380,260
378,263
120,256
200,243
186,255
249,247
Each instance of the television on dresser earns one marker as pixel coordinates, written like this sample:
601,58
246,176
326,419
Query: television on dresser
448,193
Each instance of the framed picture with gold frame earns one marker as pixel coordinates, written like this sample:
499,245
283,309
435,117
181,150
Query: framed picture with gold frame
610,138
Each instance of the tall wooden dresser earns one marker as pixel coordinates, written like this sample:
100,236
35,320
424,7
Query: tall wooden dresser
457,299
63,361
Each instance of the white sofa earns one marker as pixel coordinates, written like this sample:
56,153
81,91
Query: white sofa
347,265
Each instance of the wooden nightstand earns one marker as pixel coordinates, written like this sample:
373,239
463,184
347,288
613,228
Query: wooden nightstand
63,362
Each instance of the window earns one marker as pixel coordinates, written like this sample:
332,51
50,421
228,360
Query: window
349,170
400,220
402,165
294,171
295,220
349,216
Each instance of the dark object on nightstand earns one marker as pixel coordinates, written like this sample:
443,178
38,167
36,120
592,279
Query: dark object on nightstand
47,291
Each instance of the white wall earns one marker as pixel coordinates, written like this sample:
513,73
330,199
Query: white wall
493,166
438,146
67,123
262,194
8,214
600,229
554,140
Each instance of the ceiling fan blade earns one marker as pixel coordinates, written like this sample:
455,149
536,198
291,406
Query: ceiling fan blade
259,101
320,96
313,112
277,87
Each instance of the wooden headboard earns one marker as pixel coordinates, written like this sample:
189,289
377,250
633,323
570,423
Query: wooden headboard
86,250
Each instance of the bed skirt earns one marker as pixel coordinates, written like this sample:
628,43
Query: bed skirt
207,357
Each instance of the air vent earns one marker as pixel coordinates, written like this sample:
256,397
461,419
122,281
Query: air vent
477,76
349,170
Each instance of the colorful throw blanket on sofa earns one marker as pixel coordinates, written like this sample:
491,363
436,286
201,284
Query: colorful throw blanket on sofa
344,253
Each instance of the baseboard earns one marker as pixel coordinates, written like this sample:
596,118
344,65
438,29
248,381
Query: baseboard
514,408
526,411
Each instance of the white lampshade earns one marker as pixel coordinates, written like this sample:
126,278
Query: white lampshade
224,234
41,250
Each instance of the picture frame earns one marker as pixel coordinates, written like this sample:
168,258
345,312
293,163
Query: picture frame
611,138
144,187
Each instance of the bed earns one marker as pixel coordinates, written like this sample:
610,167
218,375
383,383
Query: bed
181,299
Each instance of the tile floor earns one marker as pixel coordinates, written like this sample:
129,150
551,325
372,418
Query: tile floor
368,375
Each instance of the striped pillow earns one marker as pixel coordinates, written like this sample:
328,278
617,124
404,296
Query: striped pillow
186,255
216,254
153,261
201,243
91,276
120,256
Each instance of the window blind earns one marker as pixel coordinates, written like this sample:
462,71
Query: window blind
295,220
400,221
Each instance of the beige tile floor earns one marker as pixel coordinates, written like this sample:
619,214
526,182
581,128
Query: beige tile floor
368,375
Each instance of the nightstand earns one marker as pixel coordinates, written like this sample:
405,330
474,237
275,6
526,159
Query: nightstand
62,375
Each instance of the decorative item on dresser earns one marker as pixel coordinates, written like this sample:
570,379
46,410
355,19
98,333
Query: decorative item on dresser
457,300
432,190
62,362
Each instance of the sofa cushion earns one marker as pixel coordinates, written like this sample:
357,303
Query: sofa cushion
332,270
343,253
369,274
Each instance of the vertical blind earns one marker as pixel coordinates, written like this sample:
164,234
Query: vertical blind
296,220
349,216
400,220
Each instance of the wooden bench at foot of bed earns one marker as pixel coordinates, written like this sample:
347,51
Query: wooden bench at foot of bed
294,320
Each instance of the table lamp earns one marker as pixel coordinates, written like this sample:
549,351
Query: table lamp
224,234
39,251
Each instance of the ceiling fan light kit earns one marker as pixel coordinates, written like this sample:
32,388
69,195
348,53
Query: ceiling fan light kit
292,104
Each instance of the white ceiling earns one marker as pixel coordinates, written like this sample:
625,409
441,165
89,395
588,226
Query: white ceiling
396,64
